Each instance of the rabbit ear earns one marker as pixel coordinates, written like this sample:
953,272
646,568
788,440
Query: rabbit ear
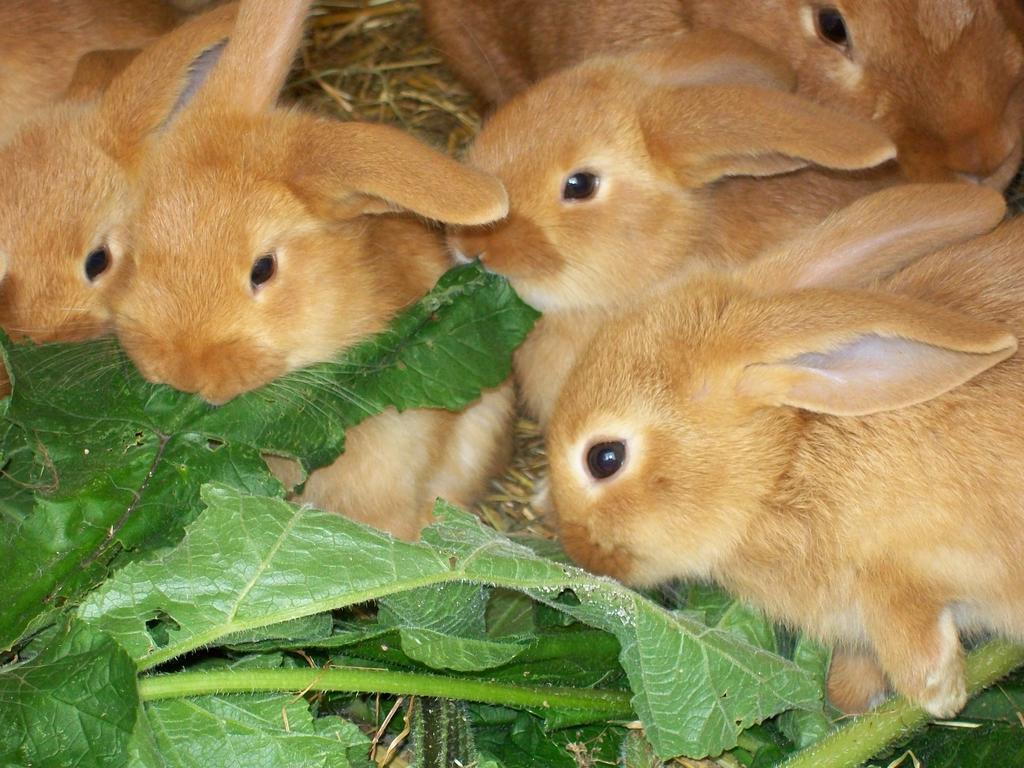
160,80
252,72
706,133
859,354
349,169
95,71
879,235
710,57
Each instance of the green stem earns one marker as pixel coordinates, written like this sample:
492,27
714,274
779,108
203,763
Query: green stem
868,735
608,704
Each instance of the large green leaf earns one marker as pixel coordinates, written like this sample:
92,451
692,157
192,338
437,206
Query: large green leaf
117,463
518,740
258,731
251,562
73,704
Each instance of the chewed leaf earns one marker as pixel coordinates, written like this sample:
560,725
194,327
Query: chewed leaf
249,562
252,732
97,461
73,704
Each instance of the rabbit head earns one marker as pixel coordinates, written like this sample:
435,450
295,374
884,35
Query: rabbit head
676,426
942,77
626,150
67,179
256,248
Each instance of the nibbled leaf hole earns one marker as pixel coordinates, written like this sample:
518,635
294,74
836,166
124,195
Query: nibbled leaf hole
214,445
567,597
159,628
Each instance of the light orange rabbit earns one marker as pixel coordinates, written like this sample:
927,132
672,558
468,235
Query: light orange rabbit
42,42
942,77
834,445
652,163
266,240
65,186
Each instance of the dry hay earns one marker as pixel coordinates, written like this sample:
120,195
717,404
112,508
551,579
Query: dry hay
370,60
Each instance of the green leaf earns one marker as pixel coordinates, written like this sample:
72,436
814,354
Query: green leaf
518,740
251,732
117,463
804,727
989,745
696,688
444,627
461,654
73,704
247,563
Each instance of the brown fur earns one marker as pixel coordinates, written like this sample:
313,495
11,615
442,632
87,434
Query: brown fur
885,529
942,77
235,179
500,47
65,186
678,148
42,42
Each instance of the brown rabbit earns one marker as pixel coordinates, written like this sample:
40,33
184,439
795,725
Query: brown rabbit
266,240
42,42
501,47
664,178
65,187
942,77
834,445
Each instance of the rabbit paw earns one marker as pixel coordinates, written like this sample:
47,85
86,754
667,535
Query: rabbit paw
945,687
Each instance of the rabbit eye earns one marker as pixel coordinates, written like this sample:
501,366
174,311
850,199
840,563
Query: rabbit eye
262,270
605,459
97,262
580,186
832,27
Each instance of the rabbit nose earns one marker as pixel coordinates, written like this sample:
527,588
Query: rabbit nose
983,154
468,245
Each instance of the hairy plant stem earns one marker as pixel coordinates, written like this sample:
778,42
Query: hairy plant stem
607,704
869,734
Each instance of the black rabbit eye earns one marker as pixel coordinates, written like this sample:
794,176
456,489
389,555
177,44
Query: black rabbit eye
97,262
832,27
580,186
262,270
605,459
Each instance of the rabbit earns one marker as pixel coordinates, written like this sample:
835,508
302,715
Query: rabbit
829,432
42,42
66,186
266,240
942,77
499,48
671,167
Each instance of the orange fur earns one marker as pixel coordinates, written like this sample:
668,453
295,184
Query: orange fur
678,138
886,529
235,180
42,42
500,47
67,175
942,77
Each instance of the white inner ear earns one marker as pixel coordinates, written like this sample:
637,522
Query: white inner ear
878,373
